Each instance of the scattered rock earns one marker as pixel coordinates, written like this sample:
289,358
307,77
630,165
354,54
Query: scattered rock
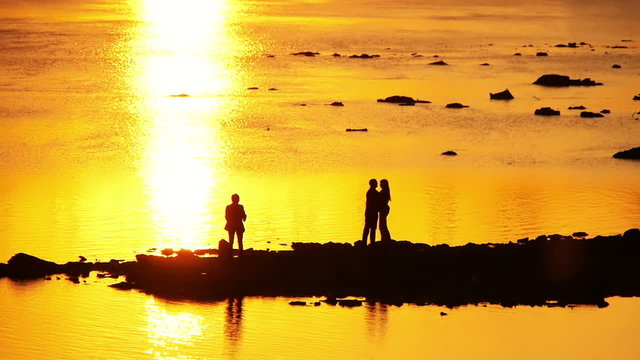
637,97
400,99
569,45
503,95
298,303
252,88
616,66
337,103
633,154
541,53
273,89
562,80
589,114
449,153
619,47
364,56
82,258
442,313
362,129
484,64
579,107
626,40
580,234
605,111
306,53
547,111
517,54
350,302
456,106
440,62
270,55
336,55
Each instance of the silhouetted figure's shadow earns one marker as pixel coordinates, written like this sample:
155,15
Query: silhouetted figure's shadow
384,197
235,216
371,212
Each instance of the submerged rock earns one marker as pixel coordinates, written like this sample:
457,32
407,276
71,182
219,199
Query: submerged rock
337,103
28,266
364,56
605,111
517,54
438,63
633,154
484,64
456,106
305,53
449,153
400,99
589,114
540,53
361,129
569,45
547,111
579,107
555,80
616,66
503,95
637,97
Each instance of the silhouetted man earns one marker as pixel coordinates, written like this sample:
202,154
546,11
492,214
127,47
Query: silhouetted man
371,212
235,215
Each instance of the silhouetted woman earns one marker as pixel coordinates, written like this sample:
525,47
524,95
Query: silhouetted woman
371,212
384,198
235,216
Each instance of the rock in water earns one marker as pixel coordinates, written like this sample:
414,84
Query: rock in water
547,111
438,63
449,153
589,114
633,154
456,106
27,266
563,80
503,95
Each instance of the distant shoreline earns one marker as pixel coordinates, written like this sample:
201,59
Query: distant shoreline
550,270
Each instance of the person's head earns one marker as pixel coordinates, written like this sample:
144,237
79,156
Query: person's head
235,198
384,184
373,183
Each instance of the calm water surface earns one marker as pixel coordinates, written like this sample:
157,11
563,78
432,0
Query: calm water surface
98,157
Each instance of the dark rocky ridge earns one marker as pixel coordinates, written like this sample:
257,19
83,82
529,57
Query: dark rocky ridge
549,270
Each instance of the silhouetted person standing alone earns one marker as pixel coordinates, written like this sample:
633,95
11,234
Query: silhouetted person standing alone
371,212
235,216
385,197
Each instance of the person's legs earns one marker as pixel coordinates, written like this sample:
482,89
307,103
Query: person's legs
365,232
231,234
384,230
240,234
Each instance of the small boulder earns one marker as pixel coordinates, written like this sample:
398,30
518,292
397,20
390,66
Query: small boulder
555,80
579,107
517,54
484,64
503,95
589,114
547,111
363,56
456,106
306,53
540,53
337,103
400,99
605,111
438,63
362,129
336,55
616,66
637,97
633,154
449,153
253,88
442,313
27,266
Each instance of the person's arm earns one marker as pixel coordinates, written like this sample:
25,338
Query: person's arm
244,214
227,214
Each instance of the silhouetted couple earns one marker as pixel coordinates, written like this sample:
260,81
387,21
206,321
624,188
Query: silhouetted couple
376,211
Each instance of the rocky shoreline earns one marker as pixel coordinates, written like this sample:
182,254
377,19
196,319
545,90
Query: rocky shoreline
550,270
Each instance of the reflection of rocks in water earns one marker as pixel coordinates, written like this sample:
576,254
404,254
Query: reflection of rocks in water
376,319
233,322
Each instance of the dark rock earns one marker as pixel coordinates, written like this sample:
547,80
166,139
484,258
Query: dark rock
616,66
74,279
632,234
484,64
440,63
306,53
349,302
82,258
330,300
546,111
449,153
26,266
337,103
336,55
579,234
456,106
503,95
298,303
637,97
540,53
407,104
442,313
517,54
270,55
579,107
317,303
363,56
273,89
633,154
361,129
589,114
252,88
123,286
605,111
400,99
619,47
569,45
562,80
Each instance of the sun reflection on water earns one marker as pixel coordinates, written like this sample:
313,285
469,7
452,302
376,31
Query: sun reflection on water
186,73
169,333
